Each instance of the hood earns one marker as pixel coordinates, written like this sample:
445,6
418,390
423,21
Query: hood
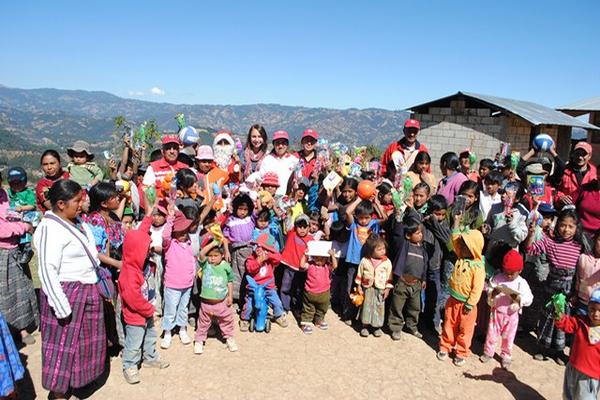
474,241
135,249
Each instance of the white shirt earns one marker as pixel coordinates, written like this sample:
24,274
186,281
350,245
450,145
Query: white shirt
62,258
486,202
282,166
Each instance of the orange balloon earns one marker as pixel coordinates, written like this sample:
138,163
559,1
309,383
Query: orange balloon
366,189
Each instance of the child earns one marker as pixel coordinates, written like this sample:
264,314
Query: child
471,216
421,194
188,193
339,235
466,286
507,221
159,219
449,186
314,226
562,253
22,200
82,169
216,296
418,171
315,301
505,308
465,166
486,165
384,195
410,271
270,183
137,297
374,281
263,226
588,275
180,268
489,195
260,266
238,230
360,222
291,256
582,375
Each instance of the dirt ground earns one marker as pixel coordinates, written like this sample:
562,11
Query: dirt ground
331,364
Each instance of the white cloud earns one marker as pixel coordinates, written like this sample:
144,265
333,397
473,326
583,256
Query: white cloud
157,91
134,93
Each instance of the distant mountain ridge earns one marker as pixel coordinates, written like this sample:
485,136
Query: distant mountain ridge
45,116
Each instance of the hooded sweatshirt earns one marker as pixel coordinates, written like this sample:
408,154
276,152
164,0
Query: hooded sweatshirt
467,279
136,308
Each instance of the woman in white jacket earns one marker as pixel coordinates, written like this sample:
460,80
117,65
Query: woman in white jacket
280,161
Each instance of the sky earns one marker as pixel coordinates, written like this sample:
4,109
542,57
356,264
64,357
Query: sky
338,54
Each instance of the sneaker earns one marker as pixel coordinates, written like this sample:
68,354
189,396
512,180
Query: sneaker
416,334
281,321
506,363
192,322
244,325
561,359
485,358
184,337
459,362
540,357
441,355
307,329
396,335
158,364
323,325
198,348
348,322
364,332
132,376
165,343
232,345
377,332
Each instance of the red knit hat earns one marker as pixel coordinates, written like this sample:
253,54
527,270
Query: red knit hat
181,223
512,262
270,179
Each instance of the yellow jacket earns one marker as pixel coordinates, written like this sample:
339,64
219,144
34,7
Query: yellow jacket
467,279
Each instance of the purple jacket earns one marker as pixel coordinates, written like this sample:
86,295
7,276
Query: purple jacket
450,185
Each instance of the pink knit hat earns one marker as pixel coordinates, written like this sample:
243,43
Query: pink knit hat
270,179
181,223
205,153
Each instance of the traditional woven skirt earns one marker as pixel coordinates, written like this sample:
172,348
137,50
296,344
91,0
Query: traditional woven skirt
372,310
74,348
18,302
11,369
559,281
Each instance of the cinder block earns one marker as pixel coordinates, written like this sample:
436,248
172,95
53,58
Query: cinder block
425,117
483,112
445,111
434,110
474,120
438,118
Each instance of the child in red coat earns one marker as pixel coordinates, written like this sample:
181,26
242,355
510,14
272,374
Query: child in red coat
136,295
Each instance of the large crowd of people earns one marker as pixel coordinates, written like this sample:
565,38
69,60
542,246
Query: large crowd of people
193,237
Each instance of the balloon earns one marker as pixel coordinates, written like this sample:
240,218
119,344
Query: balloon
366,189
189,136
542,142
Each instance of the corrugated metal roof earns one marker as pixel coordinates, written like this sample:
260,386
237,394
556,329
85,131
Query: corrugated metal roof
591,104
536,114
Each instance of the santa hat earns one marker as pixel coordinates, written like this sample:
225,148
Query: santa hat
223,135
512,262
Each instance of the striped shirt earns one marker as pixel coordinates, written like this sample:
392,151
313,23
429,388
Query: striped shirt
560,254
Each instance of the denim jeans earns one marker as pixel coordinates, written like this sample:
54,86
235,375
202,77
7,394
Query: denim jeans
176,308
291,289
139,340
272,300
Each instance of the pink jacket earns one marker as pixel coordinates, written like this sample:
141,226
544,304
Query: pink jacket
180,262
588,276
9,231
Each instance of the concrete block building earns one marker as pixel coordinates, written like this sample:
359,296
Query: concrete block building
483,123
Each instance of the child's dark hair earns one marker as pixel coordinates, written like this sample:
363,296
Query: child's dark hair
424,186
411,225
220,248
437,202
210,217
315,216
155,155
469,186
365,207
450,161
185,178
264,215
191,213
494,177
383,189
372,242
301,223
350,182
579,235
101,192
486,163
240,199
50,152
63,190
422,156
338,232
186,159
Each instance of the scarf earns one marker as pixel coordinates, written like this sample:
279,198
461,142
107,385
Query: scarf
250,158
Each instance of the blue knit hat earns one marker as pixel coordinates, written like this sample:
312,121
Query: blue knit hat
595,297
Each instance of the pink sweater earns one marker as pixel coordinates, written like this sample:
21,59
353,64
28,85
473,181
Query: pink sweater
180,262
588,276
9,231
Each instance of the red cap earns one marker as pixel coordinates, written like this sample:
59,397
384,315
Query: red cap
170,139
585,146
512,262
181,223
310,133
270,179
281,135
412,123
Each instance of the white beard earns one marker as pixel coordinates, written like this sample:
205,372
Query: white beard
223,155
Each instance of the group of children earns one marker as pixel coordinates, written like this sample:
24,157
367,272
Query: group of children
447,258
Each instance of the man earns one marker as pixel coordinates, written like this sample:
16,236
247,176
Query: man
225,155
403,152
308,154
579,171
168,164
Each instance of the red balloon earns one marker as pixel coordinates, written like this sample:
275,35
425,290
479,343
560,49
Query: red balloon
366,189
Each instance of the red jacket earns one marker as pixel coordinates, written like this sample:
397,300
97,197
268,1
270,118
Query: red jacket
262,273
584,356
386,159
569,184
587,202
294,248
136,308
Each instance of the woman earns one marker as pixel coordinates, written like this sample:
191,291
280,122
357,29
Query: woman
587,202
450,185
72,328
17,297
280,161
308,154
50,162
255,149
